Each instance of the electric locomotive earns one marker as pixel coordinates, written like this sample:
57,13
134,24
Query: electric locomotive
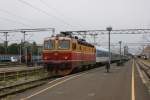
63,53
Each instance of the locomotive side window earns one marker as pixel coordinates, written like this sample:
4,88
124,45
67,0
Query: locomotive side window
74,46
48,44
64,44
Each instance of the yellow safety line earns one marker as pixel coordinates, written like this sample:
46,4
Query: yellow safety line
39,92
132,83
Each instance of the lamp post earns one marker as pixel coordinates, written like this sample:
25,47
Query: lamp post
120,50
109,29
20,50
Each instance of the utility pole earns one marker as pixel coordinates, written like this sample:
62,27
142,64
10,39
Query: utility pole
124,50
38,53
109,29
24,46
20,51
6,42
24,36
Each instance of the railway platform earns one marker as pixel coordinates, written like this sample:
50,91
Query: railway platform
125,82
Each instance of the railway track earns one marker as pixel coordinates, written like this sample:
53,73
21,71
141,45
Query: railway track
5,65
145,67
16,79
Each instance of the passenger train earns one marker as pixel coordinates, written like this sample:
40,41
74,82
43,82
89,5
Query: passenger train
63,53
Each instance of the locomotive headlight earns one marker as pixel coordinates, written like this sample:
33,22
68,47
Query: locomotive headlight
66,58
45,58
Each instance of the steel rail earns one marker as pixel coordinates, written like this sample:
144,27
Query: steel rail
145,68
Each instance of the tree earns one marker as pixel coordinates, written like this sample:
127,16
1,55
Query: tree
34,48
2,49
13,48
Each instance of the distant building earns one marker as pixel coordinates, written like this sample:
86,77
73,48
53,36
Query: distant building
146,52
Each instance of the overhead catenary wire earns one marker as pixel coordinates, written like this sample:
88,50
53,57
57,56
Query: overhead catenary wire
45,12
119,31
23,31
15,15
15,21
56,11
28,30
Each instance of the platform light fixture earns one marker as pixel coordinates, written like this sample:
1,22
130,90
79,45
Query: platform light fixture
109,29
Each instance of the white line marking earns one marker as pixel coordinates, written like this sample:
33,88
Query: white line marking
133,87
55,80
59,79
51,86
65,77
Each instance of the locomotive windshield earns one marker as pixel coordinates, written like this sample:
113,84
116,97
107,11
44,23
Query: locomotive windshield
49,44
64,44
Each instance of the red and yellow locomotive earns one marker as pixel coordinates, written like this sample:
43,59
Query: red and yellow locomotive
63,53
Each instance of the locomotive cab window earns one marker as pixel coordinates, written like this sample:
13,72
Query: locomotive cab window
64,44
49,44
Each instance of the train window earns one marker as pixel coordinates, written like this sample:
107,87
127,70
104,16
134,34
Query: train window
74,46
48,44
64,44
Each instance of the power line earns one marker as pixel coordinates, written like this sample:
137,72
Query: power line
14,21
44,12
28,30
12,14
23,31
50,7
120,31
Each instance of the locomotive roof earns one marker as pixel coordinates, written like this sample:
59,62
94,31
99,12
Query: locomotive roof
69,37
81,41
54,37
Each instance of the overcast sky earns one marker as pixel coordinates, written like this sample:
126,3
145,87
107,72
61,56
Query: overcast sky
74,15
